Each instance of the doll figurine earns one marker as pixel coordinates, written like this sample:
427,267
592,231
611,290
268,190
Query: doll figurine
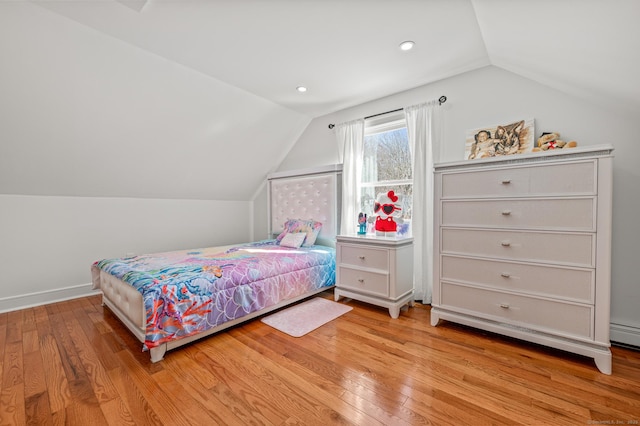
362,223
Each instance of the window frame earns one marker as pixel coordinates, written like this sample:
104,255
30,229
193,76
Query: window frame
382,124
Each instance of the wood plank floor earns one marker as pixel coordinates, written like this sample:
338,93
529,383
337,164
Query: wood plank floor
74,363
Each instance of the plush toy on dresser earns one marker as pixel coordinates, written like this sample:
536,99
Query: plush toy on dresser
549,141
388,214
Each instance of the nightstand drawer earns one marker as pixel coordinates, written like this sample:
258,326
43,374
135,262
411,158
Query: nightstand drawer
573,319
363,281
558,179
364,256
573,214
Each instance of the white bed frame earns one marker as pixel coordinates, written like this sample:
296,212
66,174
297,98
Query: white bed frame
300,194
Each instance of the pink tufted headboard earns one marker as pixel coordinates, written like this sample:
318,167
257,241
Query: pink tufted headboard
306,194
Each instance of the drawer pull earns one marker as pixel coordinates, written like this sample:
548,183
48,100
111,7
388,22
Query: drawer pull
361,257
505,275
504,305
506,212
506,181
505,244
361,280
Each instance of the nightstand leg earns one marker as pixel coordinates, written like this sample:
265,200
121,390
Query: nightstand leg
435,318
394,311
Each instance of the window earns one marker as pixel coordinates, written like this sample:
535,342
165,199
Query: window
387,165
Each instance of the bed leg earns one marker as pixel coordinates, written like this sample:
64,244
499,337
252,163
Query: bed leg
157,353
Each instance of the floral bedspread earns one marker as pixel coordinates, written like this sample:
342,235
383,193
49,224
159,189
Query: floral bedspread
188,292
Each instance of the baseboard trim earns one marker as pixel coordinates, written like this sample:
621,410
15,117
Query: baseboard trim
625,334
23,301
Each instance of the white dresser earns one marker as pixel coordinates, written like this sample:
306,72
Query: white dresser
523,248
376,270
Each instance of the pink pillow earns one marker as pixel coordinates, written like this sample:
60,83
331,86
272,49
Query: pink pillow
310,227
294,239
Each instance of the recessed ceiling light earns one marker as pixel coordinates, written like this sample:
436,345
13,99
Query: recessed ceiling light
406,45
301,89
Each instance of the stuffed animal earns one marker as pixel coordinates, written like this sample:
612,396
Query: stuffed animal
552,141
388,211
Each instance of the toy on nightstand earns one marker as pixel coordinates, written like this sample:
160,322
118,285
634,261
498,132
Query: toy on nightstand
362,223
388,211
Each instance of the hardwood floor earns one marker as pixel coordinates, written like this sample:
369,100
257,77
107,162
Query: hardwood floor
74,363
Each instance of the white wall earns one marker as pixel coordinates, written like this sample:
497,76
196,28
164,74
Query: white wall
49,243
492,95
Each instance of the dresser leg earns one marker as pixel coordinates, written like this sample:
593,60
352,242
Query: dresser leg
603,362
394,311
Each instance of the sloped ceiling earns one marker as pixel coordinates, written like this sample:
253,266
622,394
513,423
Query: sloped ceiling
197,99
586,48
345,51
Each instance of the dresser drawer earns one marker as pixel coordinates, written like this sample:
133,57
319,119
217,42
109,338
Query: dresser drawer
363,281
571,214
543,280
529,312
363,256
576,249
553,179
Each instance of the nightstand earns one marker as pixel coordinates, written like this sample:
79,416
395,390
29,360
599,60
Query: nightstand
376,270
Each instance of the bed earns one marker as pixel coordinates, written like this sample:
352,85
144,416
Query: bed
173,298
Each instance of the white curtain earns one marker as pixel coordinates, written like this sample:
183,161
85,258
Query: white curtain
350,137
424,132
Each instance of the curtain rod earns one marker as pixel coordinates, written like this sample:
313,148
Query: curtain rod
442,99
